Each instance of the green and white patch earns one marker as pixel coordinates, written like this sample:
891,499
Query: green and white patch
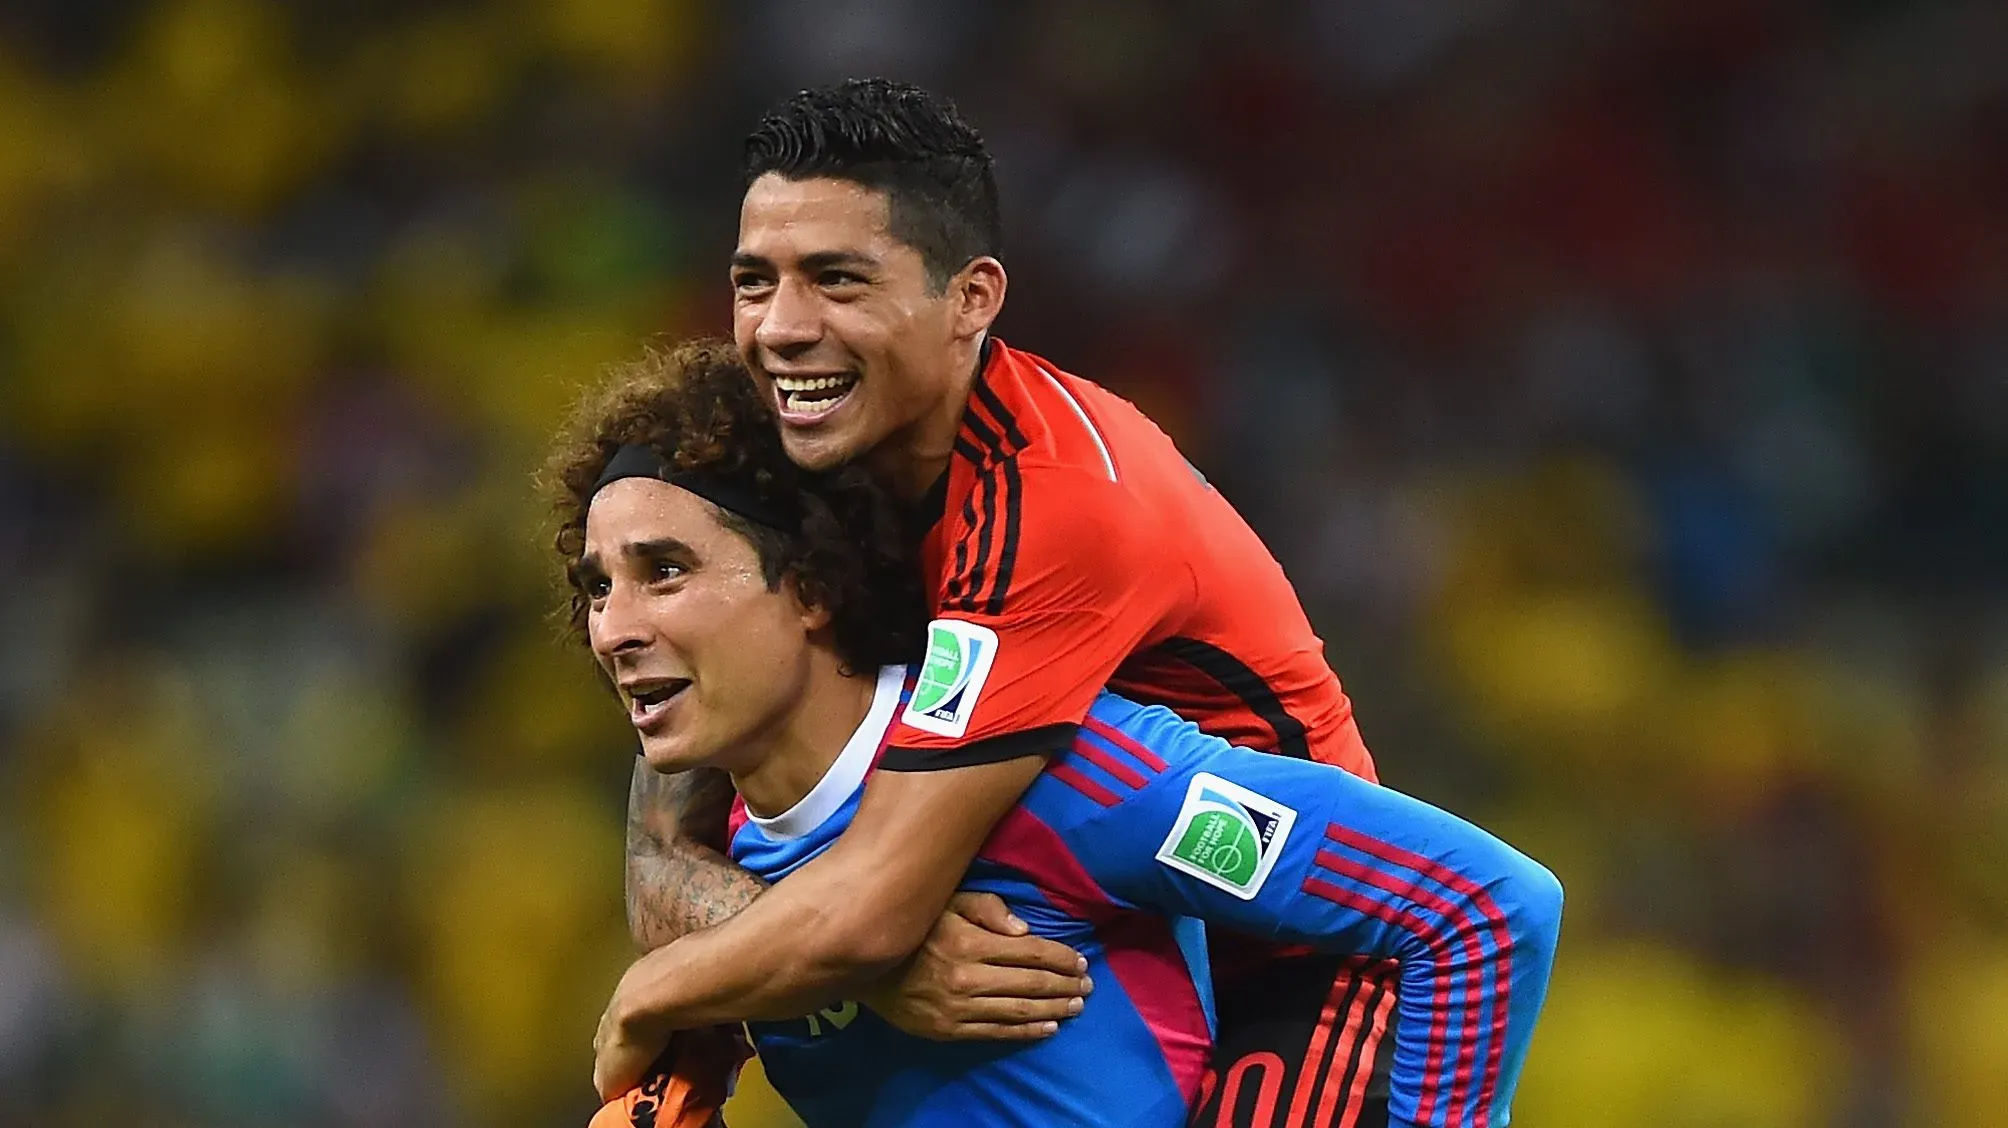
1227,835
959,656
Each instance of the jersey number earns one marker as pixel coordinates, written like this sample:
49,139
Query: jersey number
839,1016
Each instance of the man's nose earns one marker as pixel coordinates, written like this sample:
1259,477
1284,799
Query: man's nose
792,320
619,627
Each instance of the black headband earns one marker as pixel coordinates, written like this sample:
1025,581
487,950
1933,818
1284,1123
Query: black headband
638,460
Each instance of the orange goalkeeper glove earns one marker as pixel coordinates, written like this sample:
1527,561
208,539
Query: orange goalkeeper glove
685,1087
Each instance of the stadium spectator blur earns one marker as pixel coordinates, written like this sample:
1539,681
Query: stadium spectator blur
1625,385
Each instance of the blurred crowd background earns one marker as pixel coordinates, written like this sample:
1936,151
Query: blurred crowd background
1625,386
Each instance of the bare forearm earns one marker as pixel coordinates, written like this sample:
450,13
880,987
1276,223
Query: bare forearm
766,965
677,885
842,920
683,888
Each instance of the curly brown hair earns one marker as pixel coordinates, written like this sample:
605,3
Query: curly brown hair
696,406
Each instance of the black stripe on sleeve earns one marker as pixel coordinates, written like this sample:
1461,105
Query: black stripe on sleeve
968,579
967,450
1014,488
985,540
1244,683
958,578
1046,740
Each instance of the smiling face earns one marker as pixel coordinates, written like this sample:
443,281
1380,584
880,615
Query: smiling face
708,659
841,327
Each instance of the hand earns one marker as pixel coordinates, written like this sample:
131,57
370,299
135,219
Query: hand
982,976
684,1088
622,1048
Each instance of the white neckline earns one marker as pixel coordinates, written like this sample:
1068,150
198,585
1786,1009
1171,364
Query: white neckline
846,771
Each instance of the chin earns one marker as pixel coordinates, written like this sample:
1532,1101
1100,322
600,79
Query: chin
672,756
820,451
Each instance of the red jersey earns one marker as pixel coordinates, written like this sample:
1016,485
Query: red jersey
1076,549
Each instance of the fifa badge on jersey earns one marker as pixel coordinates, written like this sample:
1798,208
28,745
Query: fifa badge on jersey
959,655
1227,835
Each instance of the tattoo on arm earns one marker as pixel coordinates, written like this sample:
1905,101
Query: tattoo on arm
678,878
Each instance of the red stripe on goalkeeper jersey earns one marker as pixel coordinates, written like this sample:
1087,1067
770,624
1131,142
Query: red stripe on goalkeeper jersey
1459,922
1458,925
1124,741
1073,777
1089,751
1500,935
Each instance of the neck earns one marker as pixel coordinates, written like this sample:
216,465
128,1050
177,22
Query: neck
793,755
909,463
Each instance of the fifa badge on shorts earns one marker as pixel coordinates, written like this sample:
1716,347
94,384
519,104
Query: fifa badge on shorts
1227,835
959,655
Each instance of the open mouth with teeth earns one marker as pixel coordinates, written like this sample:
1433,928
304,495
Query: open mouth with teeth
648,702
806,398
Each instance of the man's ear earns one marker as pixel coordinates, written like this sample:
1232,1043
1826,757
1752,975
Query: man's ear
978,290
814,616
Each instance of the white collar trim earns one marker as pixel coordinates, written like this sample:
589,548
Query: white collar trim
847,771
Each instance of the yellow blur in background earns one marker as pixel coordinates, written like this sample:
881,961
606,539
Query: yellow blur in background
1621,385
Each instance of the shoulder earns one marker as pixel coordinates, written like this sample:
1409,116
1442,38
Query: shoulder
1053,416
1047,508
1030,522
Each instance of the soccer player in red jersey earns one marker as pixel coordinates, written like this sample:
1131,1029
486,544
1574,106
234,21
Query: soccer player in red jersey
1068,546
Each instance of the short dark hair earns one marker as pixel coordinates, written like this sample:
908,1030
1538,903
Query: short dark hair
695,405
894,137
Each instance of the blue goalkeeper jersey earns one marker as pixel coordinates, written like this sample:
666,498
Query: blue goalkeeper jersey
1124,849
